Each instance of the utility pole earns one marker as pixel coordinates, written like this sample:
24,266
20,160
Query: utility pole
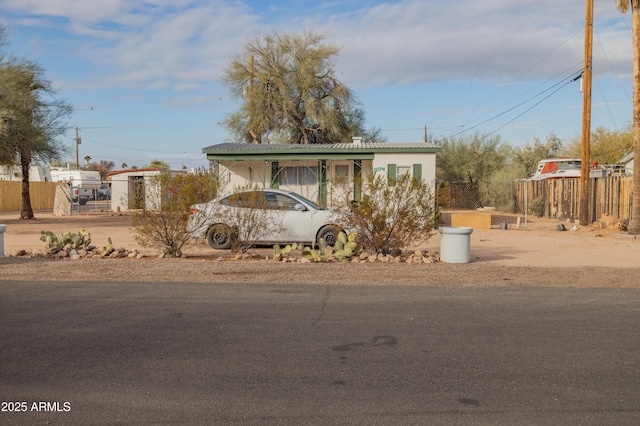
425,134
586,115
78,142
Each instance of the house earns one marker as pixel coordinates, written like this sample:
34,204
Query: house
315,171
134,189
627,162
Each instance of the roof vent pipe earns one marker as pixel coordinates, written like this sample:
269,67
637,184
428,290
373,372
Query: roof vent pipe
357,140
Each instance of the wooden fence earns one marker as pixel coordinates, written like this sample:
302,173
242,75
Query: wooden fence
42,195
560,198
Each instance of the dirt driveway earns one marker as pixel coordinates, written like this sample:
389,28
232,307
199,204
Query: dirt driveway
539,255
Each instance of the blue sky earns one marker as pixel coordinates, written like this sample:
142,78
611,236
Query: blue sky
144,76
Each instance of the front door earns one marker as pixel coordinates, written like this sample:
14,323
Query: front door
340,182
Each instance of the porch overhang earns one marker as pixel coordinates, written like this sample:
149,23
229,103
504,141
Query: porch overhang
284,152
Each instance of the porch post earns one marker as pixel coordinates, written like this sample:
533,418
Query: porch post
275,169
357,180
322,182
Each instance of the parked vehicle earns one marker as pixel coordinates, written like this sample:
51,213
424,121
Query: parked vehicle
301,220
83,183
81,195
85,179
104,193
558,168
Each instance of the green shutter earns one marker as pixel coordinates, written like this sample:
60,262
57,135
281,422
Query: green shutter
391,174
417,171
357,180
322,182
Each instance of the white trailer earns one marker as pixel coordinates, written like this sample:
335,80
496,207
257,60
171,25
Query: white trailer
83,179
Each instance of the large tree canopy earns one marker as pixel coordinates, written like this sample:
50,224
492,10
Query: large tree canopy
31,119
471,159
290,93
606,147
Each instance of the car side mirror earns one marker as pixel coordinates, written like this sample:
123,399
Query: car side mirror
300,207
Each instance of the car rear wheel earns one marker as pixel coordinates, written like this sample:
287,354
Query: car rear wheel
330,234
219,236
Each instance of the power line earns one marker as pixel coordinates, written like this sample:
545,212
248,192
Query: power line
570,79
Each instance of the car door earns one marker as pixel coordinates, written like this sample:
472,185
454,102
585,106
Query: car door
298,224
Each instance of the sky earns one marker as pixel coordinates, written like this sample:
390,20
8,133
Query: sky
143,76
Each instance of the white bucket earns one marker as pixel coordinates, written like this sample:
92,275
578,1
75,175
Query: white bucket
455,244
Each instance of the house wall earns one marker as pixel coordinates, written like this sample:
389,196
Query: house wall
123,187
243,174
236,174
382,161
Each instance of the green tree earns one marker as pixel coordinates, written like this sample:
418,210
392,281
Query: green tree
605,147
103,167
31,118
525,160
624,6
160,165
290,93
472,160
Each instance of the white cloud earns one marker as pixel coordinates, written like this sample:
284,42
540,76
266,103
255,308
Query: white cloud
416,41
182,43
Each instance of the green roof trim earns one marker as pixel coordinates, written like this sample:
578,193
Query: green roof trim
345,151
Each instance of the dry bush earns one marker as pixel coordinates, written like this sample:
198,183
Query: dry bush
252,221
163,223
390,218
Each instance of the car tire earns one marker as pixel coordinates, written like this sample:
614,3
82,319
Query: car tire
219,236
83,201
330,234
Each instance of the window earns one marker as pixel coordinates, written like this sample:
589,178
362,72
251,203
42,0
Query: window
298,175
341,172
245,199
280,202
403,171
395,172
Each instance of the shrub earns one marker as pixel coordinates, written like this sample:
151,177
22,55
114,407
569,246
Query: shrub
164,223
390,218
254,221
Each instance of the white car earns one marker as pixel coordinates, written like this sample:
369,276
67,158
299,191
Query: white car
297,219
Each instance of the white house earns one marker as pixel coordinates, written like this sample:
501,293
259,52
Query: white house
313,170
627,162
134,188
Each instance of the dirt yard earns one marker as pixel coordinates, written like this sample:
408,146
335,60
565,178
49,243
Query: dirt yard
539,255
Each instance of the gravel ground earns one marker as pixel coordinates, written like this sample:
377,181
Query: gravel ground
537,256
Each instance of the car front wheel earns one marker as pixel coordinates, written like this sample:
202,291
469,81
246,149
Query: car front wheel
330,234
219,236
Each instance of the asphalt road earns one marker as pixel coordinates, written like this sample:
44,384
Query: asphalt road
111,353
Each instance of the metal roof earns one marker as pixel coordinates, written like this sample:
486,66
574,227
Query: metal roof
364,150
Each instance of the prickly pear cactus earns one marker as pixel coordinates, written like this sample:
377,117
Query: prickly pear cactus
346,247
50,239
